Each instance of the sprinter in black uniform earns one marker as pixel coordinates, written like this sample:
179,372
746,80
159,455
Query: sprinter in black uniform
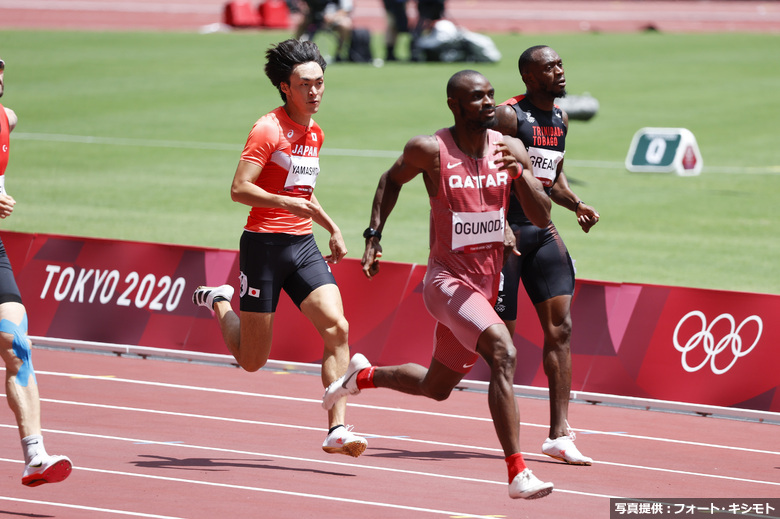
544,265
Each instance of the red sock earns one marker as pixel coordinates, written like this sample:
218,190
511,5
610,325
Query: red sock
515,464
365,378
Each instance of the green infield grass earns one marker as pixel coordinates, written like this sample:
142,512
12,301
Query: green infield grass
136,136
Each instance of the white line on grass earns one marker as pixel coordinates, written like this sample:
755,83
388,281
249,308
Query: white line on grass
156,143
343,152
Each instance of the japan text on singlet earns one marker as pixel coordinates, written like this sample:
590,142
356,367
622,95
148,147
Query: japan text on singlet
5,141
467,213
544,135
289,155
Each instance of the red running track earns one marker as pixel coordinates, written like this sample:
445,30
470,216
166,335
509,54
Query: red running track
162,439
527,16
169,439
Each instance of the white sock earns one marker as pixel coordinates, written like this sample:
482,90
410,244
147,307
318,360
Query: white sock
33,446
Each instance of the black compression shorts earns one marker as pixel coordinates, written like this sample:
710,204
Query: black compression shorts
9,291
272,262
544,266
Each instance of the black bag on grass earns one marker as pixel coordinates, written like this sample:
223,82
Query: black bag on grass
360,46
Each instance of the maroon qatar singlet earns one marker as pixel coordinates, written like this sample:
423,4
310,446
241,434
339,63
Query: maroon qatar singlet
467,247
468,212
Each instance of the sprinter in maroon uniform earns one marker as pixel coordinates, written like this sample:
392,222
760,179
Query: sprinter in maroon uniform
467,170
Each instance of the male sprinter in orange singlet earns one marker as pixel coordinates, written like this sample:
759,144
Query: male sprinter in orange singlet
467,170
21,387
276,177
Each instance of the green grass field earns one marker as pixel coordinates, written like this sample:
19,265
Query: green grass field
136,136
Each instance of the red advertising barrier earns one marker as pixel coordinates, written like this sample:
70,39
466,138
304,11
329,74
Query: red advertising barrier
668,343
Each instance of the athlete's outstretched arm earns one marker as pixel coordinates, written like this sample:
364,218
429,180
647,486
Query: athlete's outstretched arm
562,195
420,155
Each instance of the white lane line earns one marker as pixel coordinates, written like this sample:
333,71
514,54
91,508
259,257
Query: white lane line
398,410
344,152
82,507
307,460
280,492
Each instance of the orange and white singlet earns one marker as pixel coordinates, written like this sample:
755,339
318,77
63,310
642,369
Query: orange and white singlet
468,212
5,141
289,155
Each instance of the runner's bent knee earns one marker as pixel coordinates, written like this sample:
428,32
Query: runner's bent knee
501,353
253,355
438,394
22,350
557,335
436,391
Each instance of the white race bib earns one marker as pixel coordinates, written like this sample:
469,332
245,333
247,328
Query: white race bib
545,164
302,174
477,231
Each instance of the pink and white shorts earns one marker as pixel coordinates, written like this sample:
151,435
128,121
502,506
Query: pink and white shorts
462,305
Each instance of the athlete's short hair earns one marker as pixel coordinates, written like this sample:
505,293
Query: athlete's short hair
456,81
527,57
283,57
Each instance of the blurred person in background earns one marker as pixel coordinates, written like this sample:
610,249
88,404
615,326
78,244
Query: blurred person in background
397,23
329,15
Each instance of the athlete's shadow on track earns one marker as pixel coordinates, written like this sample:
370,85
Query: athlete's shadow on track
427,455
218,464
16,514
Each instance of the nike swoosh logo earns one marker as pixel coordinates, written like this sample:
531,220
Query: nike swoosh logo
467,366
344,385
450,166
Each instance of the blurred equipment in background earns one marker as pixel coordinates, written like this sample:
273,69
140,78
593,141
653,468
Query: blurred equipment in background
447,42
580,108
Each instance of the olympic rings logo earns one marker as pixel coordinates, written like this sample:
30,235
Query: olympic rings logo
712,349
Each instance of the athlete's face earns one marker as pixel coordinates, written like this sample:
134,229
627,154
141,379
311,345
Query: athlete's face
546,73
476,102
2,72
305,89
